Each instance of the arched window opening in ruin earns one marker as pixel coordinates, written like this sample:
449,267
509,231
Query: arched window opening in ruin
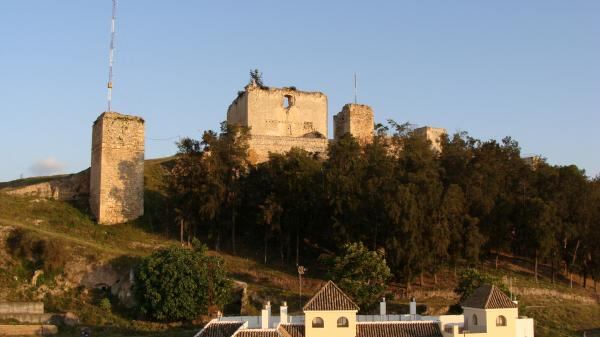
288,101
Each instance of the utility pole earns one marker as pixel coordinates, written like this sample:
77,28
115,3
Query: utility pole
301,271
111,55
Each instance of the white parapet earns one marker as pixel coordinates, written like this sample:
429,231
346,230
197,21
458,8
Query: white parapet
524,327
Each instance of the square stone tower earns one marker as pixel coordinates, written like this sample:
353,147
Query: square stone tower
117,172
434,135
355,119
280,119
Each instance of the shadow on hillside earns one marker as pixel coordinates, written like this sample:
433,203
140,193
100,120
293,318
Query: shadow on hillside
525,267
590,333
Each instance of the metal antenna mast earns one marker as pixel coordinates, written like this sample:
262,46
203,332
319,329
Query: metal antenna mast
355,88
111,55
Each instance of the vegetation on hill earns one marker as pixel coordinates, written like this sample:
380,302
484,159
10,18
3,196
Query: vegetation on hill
476,205
425,211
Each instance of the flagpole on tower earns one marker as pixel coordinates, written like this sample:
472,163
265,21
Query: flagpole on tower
111,55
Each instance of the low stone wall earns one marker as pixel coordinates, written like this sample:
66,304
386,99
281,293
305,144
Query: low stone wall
28,330
260,146
65,188
33,318
21,307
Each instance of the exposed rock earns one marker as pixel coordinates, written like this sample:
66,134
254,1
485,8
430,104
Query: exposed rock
123,290
100,276
70,319
62,187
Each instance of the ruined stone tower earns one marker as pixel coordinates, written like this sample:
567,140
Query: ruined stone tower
434,135
117,172
279,119
355,119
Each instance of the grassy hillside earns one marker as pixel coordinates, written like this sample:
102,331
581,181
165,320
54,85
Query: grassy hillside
558,309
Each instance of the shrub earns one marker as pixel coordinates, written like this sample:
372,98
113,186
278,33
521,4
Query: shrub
471,279
105,304
361,273
180,284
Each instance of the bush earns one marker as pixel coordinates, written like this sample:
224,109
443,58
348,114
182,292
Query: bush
471,279
180,284
105,304
361,273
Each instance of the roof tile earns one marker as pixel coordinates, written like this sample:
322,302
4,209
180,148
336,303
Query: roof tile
329,298
219,329
398,329
257,333
291,330
488,297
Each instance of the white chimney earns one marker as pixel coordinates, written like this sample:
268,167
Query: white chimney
283,314
382,309
413,306
265,316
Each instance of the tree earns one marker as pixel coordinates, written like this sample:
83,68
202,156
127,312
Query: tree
471,279
361,273
256,78
180,283
205,180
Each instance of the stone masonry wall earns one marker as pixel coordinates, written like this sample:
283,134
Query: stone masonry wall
355,119
280,112
117,172
260,146
21,307
434,135
64,187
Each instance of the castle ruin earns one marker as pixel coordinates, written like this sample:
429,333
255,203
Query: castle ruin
280,119
433,135
117,171
355,119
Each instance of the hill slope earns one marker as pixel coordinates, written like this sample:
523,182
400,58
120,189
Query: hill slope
558,309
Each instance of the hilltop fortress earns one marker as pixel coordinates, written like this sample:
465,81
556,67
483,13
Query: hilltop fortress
278,119
282,118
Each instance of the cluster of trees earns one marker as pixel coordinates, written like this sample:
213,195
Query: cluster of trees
422,209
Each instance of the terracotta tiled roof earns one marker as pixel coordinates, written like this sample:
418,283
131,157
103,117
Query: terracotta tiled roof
291,330
488,297
257,333
330,297
219,329
398,329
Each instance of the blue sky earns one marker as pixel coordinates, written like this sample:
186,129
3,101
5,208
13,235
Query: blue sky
528,69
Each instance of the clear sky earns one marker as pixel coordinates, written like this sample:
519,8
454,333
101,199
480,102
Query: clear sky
528,69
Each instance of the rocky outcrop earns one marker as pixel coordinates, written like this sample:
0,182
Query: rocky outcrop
64,187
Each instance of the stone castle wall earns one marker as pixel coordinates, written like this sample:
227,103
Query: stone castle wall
260,146
434,135
117,172
281,112
355,119
64,187
21,307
